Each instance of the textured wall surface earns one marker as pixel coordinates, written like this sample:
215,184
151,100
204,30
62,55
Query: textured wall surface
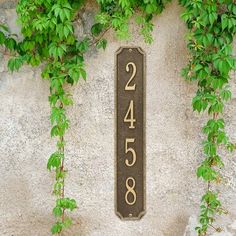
173,143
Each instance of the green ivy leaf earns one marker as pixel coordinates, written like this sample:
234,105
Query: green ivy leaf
56,228
57,211
97,29
102,44
224,21
2,38
83,73
57,51
206,172
55,160
4,28
10,43
67,222
83,45
212,17
226,94
14,64
150,8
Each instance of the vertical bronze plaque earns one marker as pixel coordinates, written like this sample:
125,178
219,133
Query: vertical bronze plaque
130,133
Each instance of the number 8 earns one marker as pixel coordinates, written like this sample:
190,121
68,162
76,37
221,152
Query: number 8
130,191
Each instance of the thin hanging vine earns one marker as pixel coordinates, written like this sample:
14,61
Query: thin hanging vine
47,27
212,26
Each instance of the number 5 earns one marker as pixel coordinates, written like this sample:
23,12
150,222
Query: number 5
129,149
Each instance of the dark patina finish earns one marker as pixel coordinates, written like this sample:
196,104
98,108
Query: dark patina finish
130,133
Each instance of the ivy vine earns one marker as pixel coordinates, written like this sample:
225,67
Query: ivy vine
47,27
212,26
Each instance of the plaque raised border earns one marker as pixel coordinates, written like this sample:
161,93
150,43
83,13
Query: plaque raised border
125,208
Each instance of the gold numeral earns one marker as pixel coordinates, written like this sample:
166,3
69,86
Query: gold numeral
130,190
128,86
129,149
131,113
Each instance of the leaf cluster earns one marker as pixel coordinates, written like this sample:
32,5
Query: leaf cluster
117,13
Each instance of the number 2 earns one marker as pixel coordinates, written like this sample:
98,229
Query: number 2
128,86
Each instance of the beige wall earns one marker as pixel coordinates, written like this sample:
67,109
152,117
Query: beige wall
173,143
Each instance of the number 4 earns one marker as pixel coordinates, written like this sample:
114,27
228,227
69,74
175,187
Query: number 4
130,113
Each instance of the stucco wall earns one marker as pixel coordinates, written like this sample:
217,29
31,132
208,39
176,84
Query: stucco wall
173,142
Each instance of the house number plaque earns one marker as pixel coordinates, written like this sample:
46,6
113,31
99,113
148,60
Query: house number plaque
130,133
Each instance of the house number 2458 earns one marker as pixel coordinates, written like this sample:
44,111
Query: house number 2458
130,133
130,119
